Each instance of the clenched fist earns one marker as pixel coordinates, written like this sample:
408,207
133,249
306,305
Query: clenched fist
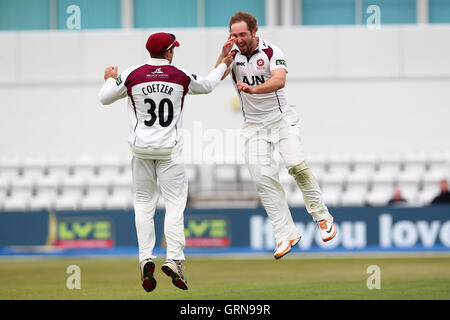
111,72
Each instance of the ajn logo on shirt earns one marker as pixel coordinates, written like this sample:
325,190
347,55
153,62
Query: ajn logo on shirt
280,62
255,80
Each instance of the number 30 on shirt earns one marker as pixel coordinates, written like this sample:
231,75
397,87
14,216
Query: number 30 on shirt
161,112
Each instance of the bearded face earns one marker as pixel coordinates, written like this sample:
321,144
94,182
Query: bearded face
245,39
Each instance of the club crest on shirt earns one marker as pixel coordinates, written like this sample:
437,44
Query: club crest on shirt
260,62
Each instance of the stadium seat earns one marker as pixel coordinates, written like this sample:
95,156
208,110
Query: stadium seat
333,181
85,166
72,190
225,172
295,198
47,190
99,185
110,166
339,163
127,173
360,177
92,203
20,192
98,188
430,185
122,181
16,203
121,191
378,197
246,184
331,198
119,201
2,200
225,176
409,183
17,193
356,188
353,198
22,187
332,184
364,163
382,187
390,163
286,180
34,167
432,178
317,164
192,172
67,202
193,175
415,162
384,178
73,185
244,173
4,187
41,203
63,183
426,196
439,162
48,186
10,167
59,167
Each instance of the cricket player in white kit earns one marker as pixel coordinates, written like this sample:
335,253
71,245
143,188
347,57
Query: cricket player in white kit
156,92
259,75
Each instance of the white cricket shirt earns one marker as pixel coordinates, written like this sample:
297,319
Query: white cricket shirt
156,92
254,70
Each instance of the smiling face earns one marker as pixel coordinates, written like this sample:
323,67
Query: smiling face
245,39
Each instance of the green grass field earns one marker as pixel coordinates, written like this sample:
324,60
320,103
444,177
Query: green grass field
291,278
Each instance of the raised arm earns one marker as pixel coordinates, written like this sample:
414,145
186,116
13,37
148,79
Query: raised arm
113,89
199,85
226,48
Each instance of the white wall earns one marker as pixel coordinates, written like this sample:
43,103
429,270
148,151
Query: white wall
356,89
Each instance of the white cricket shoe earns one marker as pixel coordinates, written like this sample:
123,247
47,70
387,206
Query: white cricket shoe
174,269
147,270
327,228
284,247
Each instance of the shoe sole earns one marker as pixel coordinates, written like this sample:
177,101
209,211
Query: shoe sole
332,236
149,282
281,255
176,280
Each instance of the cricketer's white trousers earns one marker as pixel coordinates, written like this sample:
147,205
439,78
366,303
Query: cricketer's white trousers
173,185
259,143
